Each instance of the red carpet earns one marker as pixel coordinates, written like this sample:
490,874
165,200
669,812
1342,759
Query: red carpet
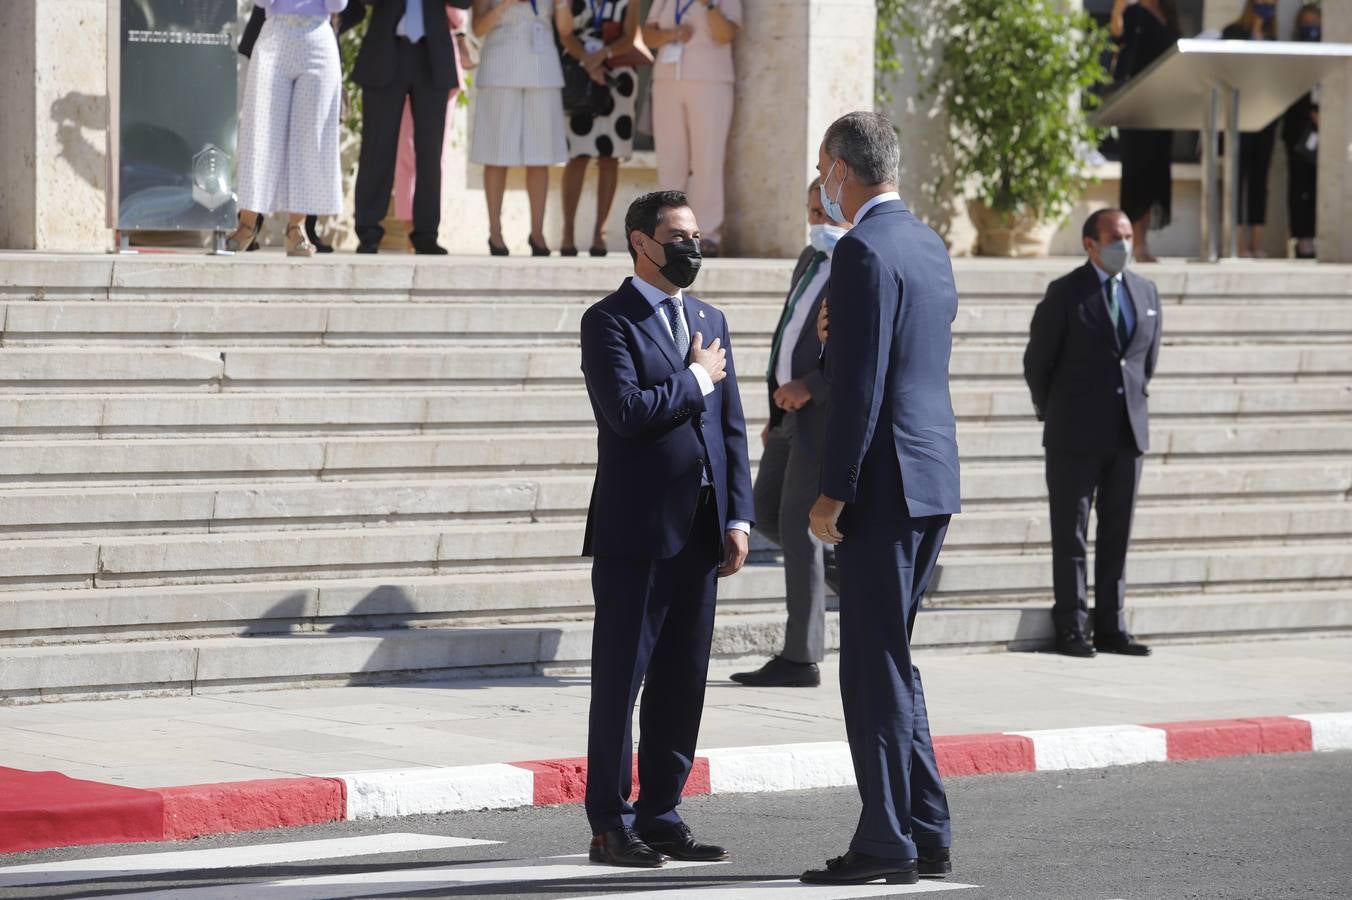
48,809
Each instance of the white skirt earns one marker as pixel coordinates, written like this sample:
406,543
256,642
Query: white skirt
518,127
288,126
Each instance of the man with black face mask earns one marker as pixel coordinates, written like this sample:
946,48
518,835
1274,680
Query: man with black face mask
1091,354
670,513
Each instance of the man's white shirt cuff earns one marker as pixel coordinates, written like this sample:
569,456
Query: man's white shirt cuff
706,384
739,525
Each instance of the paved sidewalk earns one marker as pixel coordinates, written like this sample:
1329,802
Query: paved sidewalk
275,734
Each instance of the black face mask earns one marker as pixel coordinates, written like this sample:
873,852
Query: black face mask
1311,33
683,262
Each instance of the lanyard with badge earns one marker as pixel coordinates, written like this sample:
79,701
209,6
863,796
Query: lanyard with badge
539,32
671,53
598,18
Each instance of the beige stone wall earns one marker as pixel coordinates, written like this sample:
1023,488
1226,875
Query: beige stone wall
18,197
1335,147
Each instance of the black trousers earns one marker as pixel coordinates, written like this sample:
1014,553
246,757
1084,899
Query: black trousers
1301,197
1255,159
1108,481
654,625
381,112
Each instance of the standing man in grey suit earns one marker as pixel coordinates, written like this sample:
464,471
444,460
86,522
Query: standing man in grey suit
889,485
1091,354
790,467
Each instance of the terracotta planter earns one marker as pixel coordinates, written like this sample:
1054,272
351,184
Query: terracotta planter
1017,236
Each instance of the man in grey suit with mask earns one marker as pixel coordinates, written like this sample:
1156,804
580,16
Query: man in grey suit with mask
1091,354
789,476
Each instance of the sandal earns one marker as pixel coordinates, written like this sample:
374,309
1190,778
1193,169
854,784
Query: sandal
297,244
245,236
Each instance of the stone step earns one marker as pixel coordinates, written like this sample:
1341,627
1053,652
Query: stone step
461,322
263,412
142,368
525,497
560,449
221,664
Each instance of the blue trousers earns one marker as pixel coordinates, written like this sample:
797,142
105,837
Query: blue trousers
654,626
884,573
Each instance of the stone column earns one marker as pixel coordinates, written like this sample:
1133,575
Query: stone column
53,88
1335,146
800,65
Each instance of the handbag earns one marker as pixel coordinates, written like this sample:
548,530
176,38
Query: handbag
467,49
581,95
638,55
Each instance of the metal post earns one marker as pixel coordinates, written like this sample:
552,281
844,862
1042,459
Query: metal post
1211,198
1230,246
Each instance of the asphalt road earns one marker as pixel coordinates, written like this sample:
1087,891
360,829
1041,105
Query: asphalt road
1260,827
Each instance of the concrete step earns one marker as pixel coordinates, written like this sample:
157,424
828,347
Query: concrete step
527,497
560,449
460,322
222,664
243,583
159,368
83,414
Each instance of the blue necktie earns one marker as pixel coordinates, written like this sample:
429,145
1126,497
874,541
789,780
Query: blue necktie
679,333
1115,312
411,25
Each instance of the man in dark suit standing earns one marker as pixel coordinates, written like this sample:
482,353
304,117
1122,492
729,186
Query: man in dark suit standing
1091,354
670,513
407,52
789,476
889,485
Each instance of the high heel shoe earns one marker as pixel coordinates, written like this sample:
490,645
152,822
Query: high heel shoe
568,251
597,250
498,249
537,249
297,244
312,232
243,236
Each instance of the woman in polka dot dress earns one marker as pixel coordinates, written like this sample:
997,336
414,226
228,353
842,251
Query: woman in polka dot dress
608,137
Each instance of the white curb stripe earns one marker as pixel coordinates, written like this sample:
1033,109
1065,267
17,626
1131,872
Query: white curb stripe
1096,747
784,767
1330,731
789,890
404,792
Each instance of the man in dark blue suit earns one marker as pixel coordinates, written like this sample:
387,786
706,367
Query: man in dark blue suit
889,485
670,513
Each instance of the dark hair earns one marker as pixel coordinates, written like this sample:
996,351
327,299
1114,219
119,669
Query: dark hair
1249,18
645,214
867,142
1093,226
814,184
1305,11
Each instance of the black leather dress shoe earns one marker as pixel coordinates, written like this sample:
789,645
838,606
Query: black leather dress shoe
933,863
781,672
859,868
1073,643
678,843
429,248
1124,644
623,847
368,246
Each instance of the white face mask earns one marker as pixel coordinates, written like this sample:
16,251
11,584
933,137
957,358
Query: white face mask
1115,256
824,237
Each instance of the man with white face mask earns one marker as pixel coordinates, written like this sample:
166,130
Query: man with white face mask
790,469
1091,354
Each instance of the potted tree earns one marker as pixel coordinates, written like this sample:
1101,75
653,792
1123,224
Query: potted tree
1015,79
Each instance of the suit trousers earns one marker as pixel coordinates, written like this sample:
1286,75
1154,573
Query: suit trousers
382,110
1075,481
884,573
691,123
787,484
654,626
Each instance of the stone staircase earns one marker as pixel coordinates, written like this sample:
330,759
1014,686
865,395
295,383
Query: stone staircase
226,472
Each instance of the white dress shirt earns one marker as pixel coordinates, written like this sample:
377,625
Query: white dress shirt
656,298
793,329
872,202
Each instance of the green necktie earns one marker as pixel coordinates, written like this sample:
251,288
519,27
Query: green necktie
1115,311
798,290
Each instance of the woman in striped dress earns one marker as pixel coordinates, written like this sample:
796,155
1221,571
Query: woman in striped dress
518,105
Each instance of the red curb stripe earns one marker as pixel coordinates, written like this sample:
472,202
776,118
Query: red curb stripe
565,780
200,809
47,809
1213,738
983,754
1283,734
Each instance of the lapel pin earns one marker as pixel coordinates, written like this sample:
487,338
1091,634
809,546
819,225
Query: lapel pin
701,313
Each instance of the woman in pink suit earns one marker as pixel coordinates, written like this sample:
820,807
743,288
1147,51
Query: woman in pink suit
404,169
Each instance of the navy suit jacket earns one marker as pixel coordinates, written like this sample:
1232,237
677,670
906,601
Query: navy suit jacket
1079,375
891,449
377,60
656,430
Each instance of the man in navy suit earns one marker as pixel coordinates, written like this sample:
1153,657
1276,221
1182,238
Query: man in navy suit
1091,354
889,484
671,511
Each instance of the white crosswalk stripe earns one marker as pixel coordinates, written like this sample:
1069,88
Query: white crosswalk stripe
132,871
